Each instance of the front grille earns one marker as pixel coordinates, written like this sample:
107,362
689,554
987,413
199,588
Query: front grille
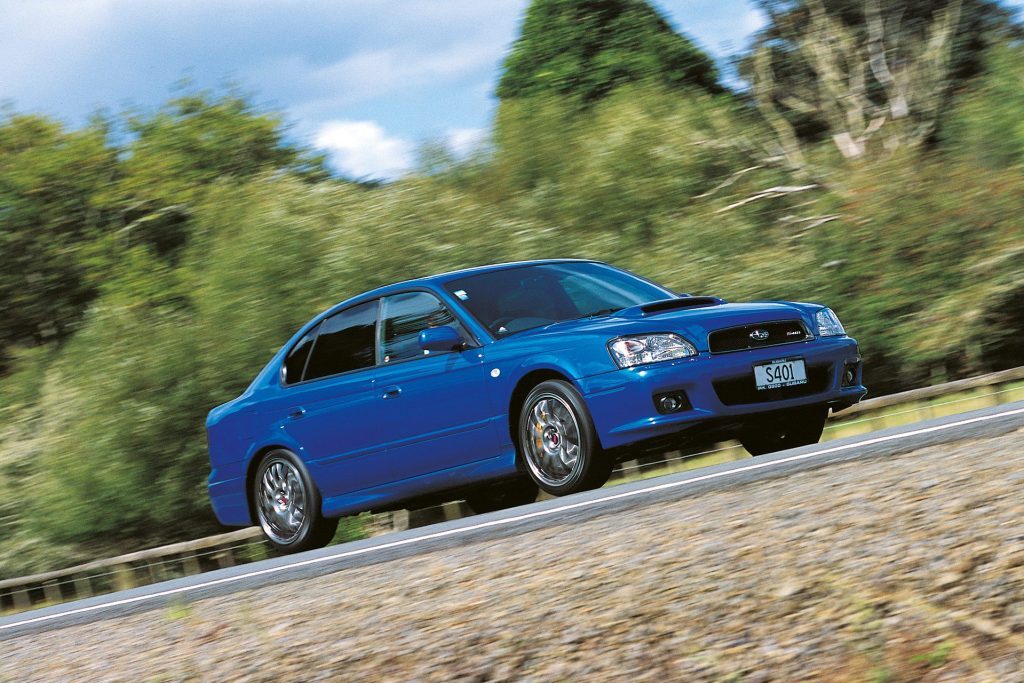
742,390
740,339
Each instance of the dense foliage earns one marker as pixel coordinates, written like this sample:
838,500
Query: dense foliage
148,276
585,49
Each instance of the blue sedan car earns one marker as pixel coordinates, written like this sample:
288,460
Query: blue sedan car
488,383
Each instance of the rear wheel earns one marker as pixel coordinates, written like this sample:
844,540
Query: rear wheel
557,440
501,495
789,429
287,504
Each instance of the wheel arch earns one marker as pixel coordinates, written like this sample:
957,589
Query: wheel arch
522,389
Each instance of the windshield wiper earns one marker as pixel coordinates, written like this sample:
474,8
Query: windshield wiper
595,314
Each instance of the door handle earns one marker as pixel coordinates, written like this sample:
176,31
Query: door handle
394,391
296,413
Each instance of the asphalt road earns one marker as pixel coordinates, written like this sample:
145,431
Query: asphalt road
981,423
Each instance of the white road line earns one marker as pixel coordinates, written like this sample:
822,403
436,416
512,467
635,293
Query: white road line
510,520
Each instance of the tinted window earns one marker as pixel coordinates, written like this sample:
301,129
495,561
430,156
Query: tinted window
404,317
516,299
296,360
346,342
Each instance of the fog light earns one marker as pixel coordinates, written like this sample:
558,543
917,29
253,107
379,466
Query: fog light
850,374
671,402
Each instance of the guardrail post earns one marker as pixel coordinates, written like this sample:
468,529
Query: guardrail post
124,577
52,592
225,558
22,600
426,516
628,467
83,587
456,509
155,571
192,566
400,520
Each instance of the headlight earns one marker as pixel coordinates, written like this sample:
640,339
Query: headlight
649,348
828,323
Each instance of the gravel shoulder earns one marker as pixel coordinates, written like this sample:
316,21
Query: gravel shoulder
902,568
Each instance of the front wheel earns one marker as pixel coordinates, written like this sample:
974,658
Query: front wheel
287,504
558,443
779,431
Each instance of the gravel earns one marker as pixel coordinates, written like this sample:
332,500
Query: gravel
906,568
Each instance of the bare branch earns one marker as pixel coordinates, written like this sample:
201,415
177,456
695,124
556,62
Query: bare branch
812,222
912,71
728,181
764,87
933,68
898,106
770,193
797,104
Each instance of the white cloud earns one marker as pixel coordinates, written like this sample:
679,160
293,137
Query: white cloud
464,141
375,73
753,20
363,149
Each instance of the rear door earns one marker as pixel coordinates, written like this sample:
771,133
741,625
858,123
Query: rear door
434,403
331,409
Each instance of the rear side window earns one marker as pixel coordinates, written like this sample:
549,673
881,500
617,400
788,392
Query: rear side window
295,363
346,342
404,317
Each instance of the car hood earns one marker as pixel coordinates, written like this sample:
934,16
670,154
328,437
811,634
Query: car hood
693,322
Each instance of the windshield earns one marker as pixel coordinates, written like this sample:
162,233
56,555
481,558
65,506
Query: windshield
516,299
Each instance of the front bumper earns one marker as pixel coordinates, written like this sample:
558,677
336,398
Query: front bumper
718,387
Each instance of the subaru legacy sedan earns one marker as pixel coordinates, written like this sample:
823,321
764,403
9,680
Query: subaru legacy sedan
489,383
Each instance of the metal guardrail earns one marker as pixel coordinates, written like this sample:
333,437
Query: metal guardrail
131,570
988,381
246,545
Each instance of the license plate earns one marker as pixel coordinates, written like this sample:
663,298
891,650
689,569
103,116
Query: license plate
780,373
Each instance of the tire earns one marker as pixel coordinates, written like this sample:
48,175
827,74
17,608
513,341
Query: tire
790,429
557,441
501,495
286,503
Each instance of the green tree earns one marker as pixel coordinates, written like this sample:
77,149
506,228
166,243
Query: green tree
198,138
71,202
123,405
49,181
986,126
586,48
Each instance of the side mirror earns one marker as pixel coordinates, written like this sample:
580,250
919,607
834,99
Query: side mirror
443,338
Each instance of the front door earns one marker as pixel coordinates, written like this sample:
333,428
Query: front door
435,409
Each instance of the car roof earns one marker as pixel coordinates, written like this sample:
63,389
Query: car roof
468,272
441,278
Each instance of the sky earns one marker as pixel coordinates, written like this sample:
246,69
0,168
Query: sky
366,81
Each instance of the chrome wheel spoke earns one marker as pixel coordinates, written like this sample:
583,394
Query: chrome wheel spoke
539,414
282,501
551,442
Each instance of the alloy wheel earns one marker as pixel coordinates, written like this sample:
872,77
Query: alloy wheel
552,441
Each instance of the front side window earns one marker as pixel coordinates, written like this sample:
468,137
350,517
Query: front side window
404,317
345,342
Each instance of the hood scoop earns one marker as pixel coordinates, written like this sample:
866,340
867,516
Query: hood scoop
666,305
